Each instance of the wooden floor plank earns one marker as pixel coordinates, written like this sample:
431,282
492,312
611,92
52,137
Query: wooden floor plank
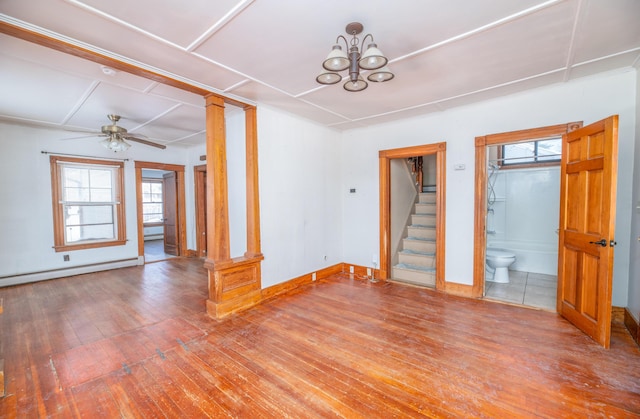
136,342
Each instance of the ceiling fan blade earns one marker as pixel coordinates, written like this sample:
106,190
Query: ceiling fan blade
143,141
83,136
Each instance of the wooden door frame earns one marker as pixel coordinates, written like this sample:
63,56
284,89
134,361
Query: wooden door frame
199,176
385,157
480,205
181,203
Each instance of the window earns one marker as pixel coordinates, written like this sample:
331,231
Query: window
152,202
540,152
88,207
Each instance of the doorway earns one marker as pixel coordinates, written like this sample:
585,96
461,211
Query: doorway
517,205
388,242
161,211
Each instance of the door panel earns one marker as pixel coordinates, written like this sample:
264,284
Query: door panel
587,218
169,189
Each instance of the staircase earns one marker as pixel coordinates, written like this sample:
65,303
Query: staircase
417,256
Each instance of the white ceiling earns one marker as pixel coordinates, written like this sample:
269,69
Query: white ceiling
444,53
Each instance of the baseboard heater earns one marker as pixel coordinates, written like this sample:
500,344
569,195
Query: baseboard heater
25,278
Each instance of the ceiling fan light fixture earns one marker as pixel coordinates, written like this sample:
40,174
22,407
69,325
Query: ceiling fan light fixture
115,143
339,60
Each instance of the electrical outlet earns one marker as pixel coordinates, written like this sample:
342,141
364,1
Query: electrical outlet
350,269
368,271
313,276
65,258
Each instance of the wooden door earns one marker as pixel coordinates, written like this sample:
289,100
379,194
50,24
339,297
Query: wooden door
587,221
169,190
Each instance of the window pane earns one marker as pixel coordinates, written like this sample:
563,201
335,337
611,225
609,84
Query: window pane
91,232
156,188
100,178
76,194
549,150
518,153
90,214
75,177
101,195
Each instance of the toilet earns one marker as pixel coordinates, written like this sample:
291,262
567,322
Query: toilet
498,262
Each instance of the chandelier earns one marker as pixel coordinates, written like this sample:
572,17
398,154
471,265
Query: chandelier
339,60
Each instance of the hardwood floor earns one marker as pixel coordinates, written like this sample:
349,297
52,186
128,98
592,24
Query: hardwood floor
136,342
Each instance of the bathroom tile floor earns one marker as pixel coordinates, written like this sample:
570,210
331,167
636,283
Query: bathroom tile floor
526,288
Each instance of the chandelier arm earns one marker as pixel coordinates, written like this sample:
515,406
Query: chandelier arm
346,43
365,38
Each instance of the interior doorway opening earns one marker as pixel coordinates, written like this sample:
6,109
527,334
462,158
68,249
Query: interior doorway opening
160,204
412,214
517,206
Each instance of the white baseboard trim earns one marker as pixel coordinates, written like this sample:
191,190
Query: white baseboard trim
60,273
154,237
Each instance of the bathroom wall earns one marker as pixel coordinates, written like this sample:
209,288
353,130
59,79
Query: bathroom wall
525,216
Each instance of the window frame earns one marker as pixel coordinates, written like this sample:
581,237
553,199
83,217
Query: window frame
60,244
161,182
536,156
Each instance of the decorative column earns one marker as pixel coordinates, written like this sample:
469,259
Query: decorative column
234,284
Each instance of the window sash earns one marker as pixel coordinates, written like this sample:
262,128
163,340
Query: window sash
87,204
152,202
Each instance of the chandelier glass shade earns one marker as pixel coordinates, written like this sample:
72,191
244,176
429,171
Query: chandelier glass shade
339,60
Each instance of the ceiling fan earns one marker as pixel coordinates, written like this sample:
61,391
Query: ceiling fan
116,136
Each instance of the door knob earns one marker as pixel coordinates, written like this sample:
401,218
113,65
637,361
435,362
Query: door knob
601,242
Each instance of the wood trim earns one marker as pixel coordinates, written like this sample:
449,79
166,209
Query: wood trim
234,284
632,325
199,176
217,195
480,207
385,156
617,315
480,221
252,181
385,216
90,55
462,290
58,217
531,134
181,202
294,283
1,378
441,213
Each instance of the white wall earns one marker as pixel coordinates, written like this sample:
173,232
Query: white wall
26,220
588,99
403,197
300,195
527,205
634,239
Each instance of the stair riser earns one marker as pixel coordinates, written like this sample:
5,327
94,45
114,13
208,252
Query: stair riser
409,259
424,208
427,197
423,220
427,279
422,233
419,246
